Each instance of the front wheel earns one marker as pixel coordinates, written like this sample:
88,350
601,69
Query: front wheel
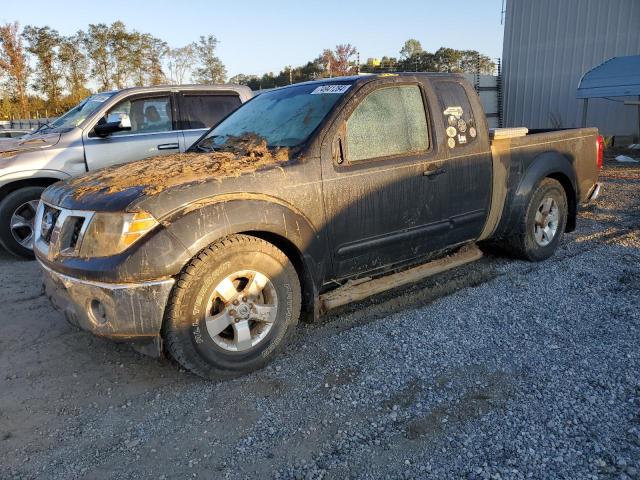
17,218
232,308
542,227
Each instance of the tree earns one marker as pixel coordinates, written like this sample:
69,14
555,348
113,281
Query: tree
157,52
97,40
339,62
210,68
472,60
242,79
43,43
180,61
448,60
13,64
145,60
410,48
74,65
120,49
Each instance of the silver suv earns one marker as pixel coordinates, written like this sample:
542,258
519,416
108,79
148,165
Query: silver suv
104,129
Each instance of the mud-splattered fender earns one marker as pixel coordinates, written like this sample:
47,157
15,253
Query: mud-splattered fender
548,164
202,223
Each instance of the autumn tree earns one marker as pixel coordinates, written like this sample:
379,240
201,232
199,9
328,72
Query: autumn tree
210,68
339,62
13,64
43,43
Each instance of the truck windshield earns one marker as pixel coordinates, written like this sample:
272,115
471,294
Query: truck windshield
284,117
76,115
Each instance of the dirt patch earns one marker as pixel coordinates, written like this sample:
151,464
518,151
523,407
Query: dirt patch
344,376
405,397
478,401
239,155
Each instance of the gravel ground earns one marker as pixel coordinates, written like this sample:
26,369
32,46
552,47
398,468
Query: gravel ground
500,369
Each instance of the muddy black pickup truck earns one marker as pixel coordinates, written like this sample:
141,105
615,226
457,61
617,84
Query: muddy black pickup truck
304,199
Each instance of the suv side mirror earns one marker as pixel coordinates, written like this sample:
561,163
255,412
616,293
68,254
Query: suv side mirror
116,122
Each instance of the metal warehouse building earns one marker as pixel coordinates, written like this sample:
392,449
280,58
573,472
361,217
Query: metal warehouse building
549,45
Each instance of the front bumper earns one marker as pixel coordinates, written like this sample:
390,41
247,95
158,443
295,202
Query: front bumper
131,311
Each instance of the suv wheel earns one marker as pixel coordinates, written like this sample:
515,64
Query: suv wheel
17,217
232,308
543,224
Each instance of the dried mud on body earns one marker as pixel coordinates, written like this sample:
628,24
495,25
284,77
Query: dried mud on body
499,369
239,155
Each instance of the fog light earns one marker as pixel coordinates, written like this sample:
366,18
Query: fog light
98,312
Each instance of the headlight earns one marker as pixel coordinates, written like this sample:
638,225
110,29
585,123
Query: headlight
112,233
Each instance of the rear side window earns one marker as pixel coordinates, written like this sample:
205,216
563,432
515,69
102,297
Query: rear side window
204,111
389,121
457,114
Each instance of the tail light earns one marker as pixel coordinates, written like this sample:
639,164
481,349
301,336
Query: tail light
600,151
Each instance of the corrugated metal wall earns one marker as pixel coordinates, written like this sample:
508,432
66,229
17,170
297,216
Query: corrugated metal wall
549,45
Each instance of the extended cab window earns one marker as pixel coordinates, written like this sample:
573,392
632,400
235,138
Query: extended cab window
457,114
147,115
389,121
204,111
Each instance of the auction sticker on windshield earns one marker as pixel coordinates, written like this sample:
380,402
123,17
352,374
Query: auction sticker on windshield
330,89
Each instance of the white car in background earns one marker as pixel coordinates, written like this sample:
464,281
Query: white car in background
104,129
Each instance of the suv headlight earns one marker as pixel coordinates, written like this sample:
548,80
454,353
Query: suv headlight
112,233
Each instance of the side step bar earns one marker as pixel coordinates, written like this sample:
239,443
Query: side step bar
356,290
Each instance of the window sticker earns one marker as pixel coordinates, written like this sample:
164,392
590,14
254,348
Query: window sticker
322,89
454,111
457,114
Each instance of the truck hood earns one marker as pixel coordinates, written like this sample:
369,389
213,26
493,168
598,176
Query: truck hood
29,143
117,188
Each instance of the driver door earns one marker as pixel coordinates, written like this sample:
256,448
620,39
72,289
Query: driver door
152,132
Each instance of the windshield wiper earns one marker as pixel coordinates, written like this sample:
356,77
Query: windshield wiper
44,126
202,148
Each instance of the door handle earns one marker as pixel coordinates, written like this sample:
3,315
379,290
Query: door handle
168,146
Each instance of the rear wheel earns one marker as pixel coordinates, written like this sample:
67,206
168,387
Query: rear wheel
232,308
17,218
542,227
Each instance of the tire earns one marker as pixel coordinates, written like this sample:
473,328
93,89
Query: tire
203,302
533,242
17,213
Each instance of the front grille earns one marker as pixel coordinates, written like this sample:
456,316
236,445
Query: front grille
70,234
60,231
49,219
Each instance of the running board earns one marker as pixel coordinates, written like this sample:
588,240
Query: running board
355,290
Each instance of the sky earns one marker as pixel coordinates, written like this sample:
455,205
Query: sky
258,37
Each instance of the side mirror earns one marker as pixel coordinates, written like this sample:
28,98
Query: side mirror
116,122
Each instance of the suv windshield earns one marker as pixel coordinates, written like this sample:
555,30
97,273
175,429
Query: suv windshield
76,115
284,117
